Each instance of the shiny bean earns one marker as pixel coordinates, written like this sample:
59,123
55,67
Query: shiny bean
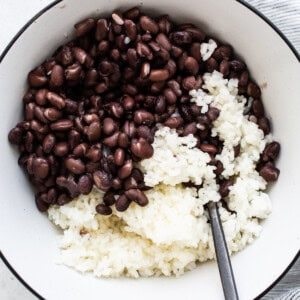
159,75
122,203
148,24
174,122
48,143
93,131
52,114
271,151
84,27
75,166
85,184
40,167
191,65
143,117
125,170
104,210
62,125
15,136
119,157
141,148
112,140
57,76
137,196
56,100
102,180
269,173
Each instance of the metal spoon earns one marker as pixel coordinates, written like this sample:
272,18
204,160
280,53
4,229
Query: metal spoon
223,259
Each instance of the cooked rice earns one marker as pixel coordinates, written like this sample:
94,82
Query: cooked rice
171,234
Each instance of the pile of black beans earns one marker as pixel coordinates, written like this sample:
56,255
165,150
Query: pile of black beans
92,108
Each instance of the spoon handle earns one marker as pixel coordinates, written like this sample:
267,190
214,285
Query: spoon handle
223,259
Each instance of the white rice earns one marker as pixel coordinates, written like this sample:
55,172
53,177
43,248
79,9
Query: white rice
171,234
207,49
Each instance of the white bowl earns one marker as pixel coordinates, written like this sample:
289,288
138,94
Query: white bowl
28,239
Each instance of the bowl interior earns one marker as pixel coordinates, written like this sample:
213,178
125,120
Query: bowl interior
28,239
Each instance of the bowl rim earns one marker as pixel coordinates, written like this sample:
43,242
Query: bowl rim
51,5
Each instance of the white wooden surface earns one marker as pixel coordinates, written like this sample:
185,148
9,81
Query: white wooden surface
285,14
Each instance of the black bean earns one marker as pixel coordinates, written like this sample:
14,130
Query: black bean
85,184
271,151
156,87
137,196
132,13
51,196
63,199
109,126
116,109
170,96
159,75
196,33
130,183
56,100
74,138
191,65
174,122
62,125
112,140
269,173
37,78
191,83
130,29
75,166
181,37
264,125
61,149
125,170
211,65
223,52
224,187
79,54
213,113
164,24
253,90
123,140
80,150
129,129
209,148
143,117
237,150
141,148
137,175
146,133
48,143
258,108
103,209
73,72
102,180
41,205
224,67
52,114
190,128
148,24
93,131
145,70
119,157
15,136
40,167
243,79
129,89
84,27
122,203
57,76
